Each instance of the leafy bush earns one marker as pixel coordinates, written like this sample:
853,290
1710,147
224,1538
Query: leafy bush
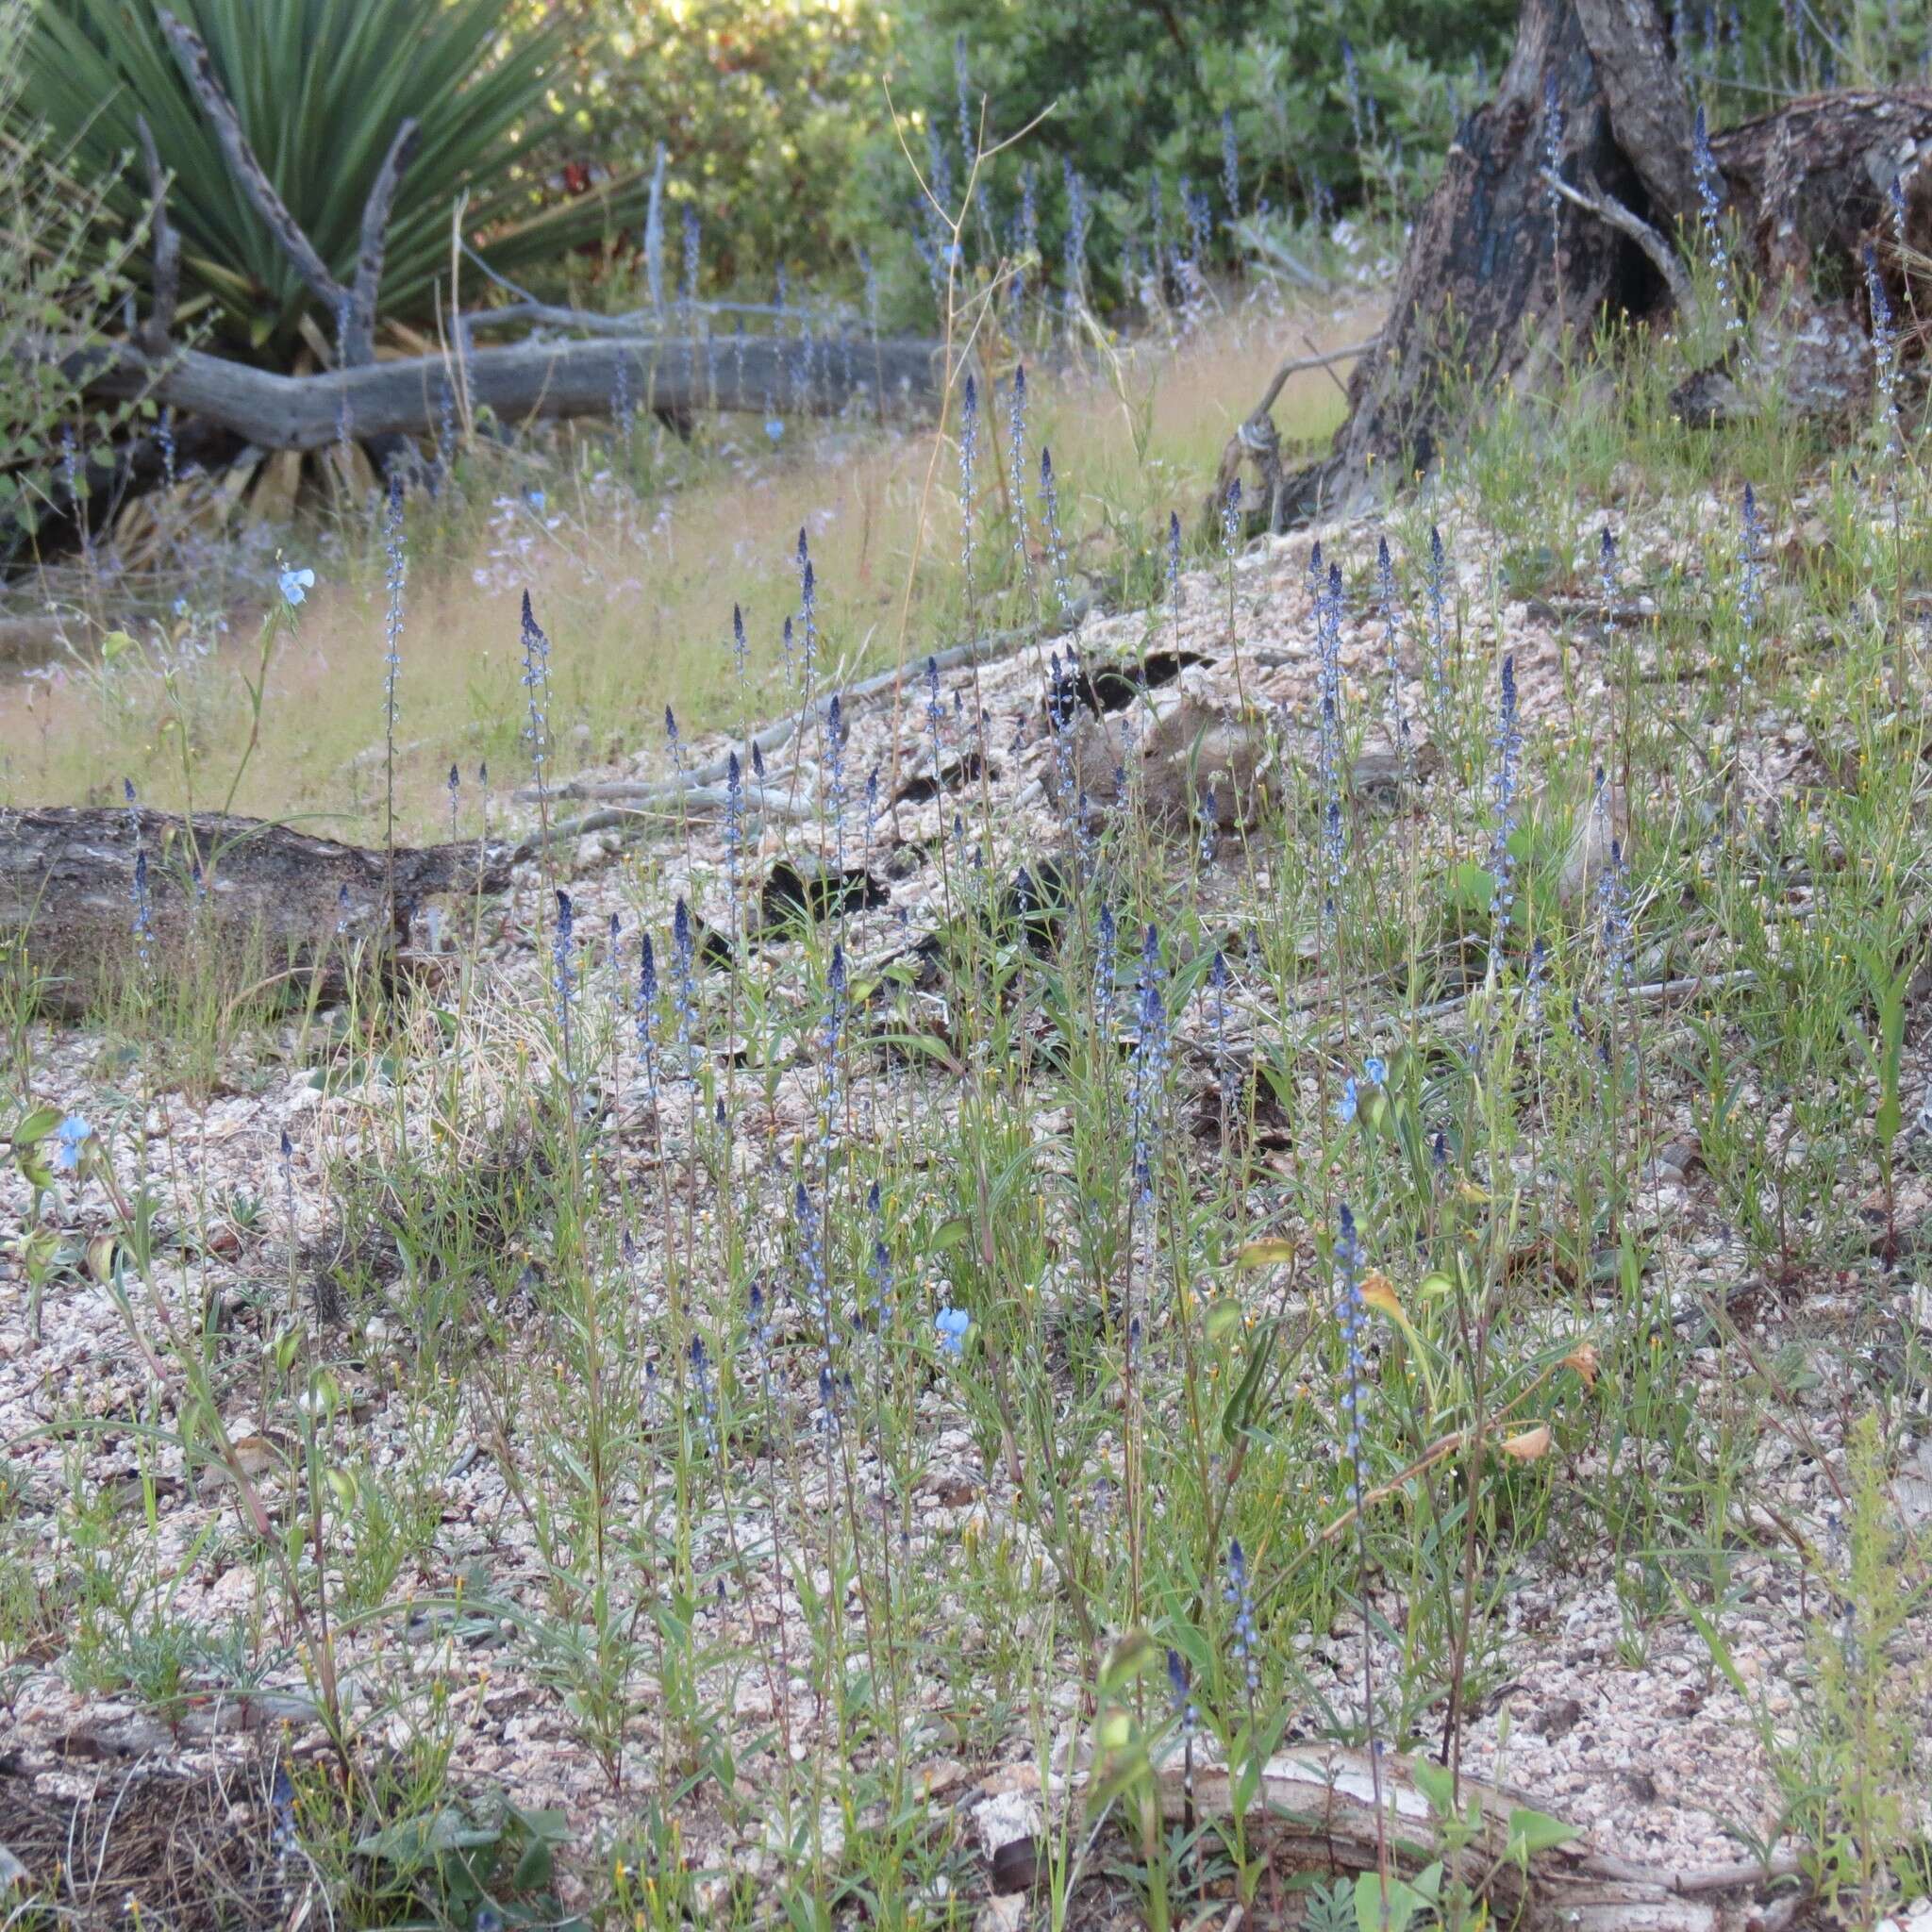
60,273
1328,106
321,87
763,111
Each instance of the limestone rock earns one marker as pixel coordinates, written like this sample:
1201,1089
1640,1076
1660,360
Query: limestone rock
1192,748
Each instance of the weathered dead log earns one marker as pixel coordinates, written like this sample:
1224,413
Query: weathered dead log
1807,183
1513,256
1498,266
525,381
92,889
1321,1798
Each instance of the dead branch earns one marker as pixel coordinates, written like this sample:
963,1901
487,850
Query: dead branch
359,337
654,234
698,789
524,382
1297,365
240,893
1321,1800
198,69
353,305
1606,208
154,334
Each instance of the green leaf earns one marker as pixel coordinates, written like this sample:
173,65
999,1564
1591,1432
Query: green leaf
534,1867
411,1844
1133,1657
1436,1783
1376,1913
1535,1831
1224,1319
1237,1415
36,1127
320,87
1265,1254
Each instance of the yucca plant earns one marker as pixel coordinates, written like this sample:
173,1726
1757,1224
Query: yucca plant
321,87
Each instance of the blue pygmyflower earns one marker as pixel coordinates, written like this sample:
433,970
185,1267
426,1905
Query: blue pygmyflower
296,585
69,1138
1376,1070
952,1324
1345,1107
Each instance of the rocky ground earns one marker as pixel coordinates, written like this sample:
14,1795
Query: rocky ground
1664,1752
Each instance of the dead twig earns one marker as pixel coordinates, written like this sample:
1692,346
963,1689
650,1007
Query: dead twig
155,333
192,52
358,338
1606,208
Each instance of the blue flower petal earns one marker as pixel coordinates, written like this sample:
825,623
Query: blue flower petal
69,1138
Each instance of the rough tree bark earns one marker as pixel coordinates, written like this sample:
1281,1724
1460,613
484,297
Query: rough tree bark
1315,1804
1498,266
1505,262
527,380
254,894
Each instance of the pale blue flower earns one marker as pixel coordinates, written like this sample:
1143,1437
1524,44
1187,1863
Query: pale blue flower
1345,1107
953,1325
1378,1070
774,428
69,1138
296,585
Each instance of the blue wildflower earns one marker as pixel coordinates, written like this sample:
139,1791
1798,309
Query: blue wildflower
70,1137
1239,1599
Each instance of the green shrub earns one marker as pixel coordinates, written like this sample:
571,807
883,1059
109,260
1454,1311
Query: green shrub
763,111
60,276
1138,95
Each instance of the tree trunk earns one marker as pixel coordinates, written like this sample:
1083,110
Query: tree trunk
1499,269
1807,183
242,897
1503,267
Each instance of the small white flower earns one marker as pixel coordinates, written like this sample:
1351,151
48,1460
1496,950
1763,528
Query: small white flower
296,585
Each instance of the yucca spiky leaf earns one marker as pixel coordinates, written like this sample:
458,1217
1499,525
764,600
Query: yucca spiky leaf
319,87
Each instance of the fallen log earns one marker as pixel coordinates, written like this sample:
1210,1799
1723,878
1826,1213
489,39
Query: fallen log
524,382
89,892
1319,1802
379,403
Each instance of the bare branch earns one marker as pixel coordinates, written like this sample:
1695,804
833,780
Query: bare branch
1298,364
358,338
154,335
528,379
193,56
654,235
1664,258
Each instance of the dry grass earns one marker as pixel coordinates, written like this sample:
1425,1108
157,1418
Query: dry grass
635,586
